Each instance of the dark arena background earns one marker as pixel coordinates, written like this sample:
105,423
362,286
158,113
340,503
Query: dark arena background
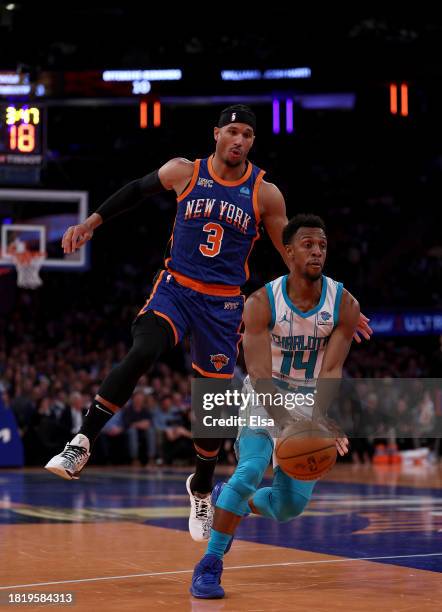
95,95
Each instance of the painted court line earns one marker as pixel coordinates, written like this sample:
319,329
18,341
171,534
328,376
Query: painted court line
233,567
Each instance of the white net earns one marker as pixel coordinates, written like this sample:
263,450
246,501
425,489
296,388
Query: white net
28,267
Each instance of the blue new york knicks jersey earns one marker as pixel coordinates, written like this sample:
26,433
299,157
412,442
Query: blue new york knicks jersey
216,226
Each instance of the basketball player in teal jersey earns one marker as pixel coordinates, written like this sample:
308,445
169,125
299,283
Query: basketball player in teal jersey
302,310
221,201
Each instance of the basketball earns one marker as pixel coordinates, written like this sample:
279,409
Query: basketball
305,452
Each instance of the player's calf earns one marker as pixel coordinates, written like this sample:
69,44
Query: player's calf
286,499
199,488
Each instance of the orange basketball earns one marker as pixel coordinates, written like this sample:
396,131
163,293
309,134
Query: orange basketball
305,453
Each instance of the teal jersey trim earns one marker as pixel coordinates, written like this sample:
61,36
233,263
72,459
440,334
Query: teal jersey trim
338,300
314,310
271,297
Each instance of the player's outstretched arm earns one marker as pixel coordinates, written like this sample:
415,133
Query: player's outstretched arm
175,174
333,362
341,338
362,329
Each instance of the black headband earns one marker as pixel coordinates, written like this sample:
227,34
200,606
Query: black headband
237,116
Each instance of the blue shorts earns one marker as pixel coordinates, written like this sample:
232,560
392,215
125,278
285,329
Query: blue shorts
213,323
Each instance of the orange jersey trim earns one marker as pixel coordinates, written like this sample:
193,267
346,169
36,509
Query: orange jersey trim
171,323
191,185
221,181
210,374
255,196
155,287
166,261
207,288
246,264
257,217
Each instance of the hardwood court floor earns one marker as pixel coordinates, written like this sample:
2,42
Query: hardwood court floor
117,540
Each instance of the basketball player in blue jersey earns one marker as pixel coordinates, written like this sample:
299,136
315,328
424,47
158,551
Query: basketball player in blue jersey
221,201
298,329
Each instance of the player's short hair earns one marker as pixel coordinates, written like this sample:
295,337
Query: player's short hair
237,113
298,221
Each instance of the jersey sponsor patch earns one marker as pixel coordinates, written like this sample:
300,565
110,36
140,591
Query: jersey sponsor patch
324,318
203,182
219,361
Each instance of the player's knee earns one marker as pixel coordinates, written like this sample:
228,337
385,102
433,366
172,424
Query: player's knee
207,445
141,356
289,506
147,347
152,335
248,476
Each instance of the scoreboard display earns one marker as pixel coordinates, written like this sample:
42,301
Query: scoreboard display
22,134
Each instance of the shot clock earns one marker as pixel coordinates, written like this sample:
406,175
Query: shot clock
21,134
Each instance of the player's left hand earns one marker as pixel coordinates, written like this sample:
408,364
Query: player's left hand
363,329
342,446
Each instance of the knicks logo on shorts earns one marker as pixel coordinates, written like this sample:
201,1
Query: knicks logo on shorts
219,361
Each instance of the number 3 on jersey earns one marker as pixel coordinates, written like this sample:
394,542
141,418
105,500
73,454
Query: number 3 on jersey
214,240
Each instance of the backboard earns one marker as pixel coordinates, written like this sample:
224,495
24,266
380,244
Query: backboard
36,220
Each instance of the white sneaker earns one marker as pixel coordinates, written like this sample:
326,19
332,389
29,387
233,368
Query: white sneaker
69,463
201,515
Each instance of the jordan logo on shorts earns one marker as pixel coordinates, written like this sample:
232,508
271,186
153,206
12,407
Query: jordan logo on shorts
219,361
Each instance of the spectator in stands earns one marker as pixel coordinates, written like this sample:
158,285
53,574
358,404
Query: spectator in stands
174,426
76,405
139,430
111,443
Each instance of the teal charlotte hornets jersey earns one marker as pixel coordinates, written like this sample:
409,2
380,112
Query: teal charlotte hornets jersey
216,226
299,339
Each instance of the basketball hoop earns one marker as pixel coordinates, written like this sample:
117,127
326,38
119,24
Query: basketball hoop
28,264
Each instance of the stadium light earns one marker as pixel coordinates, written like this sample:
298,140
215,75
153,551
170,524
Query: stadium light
404,100
276,120
112,76
271,73
289,116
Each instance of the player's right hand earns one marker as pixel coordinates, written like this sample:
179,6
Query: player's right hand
75,236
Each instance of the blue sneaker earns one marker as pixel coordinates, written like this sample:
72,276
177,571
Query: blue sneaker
216,492
206,579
